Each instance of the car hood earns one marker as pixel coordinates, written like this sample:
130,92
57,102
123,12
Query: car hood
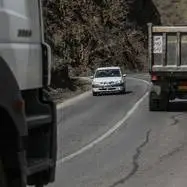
107,80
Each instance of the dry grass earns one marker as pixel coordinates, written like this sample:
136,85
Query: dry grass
75,87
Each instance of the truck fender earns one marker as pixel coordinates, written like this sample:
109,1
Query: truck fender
10,97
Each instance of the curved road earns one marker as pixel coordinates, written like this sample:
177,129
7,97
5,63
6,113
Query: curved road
114,141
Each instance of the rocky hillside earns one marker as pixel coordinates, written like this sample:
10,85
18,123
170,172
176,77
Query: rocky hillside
172,12
85,34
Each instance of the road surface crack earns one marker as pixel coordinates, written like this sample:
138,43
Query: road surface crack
135,163
175,119
172,152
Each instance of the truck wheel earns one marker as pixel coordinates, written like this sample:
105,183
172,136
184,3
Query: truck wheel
153,103
164,101
2,175
158,104
164,104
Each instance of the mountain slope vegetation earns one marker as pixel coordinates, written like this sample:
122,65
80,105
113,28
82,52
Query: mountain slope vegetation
85,34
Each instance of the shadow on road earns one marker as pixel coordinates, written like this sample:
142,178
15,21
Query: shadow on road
109,94
177,106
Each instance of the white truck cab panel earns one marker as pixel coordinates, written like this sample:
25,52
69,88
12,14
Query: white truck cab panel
29,114
17,16
20,41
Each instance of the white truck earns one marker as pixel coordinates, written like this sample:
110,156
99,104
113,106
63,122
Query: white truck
28,137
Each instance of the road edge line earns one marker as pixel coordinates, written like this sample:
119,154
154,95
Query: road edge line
109,132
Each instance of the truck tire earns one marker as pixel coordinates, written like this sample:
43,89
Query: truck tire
164,101
2,175
153,103
158,104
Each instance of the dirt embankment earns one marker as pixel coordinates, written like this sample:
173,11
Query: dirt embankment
172,12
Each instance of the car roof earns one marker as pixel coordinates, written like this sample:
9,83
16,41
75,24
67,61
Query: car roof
111,67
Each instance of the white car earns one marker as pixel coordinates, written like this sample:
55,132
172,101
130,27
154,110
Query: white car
108,80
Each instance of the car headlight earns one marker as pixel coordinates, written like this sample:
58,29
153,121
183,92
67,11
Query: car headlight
95,85
119,83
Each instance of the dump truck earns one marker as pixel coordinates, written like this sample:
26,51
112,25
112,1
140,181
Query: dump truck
167,57
28,137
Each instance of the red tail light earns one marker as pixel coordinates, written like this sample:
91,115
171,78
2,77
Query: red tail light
154,77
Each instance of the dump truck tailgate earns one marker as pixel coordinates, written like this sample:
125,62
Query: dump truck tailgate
167,48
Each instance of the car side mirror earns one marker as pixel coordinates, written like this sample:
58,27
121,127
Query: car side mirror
124,75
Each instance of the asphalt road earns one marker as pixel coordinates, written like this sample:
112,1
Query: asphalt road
100,147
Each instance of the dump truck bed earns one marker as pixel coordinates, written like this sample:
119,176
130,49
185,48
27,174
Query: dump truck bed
167,50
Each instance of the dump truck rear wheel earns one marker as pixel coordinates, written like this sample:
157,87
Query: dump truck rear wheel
164,102
153,104
158,104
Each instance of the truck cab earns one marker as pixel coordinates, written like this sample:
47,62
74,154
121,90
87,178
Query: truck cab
27,113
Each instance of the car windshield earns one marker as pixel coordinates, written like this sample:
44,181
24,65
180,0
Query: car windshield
107,73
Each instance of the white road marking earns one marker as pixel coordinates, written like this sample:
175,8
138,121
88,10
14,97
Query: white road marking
109,132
